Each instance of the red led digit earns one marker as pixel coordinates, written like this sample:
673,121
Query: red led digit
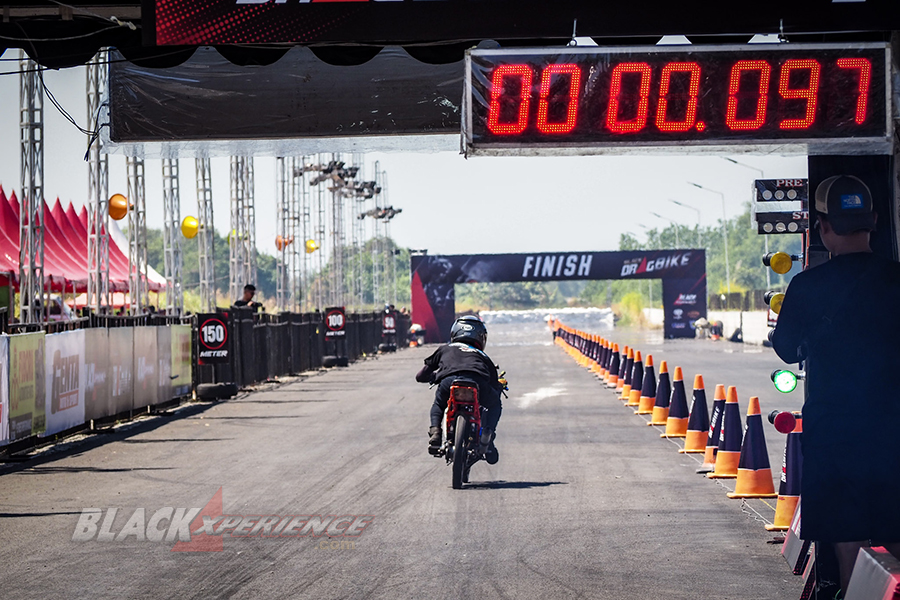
765,74
865,77
615,89
811,94
501,72
574,74
690,115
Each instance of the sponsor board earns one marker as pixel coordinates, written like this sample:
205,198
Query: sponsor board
146,382
180,359
4,389
98,402
64,370
26,385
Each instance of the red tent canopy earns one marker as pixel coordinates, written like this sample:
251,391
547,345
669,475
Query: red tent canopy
65,249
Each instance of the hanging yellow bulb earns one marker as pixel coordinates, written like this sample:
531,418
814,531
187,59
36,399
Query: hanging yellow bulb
311,246
189,227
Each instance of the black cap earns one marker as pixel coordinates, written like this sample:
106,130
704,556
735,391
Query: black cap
847,203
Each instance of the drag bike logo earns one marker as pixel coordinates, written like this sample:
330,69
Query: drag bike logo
636,266
683,299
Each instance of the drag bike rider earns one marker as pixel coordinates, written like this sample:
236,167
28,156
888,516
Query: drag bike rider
464,356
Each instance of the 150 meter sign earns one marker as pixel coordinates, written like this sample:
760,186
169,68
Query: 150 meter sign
214,339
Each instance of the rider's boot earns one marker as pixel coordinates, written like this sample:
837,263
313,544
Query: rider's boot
491,456
434,440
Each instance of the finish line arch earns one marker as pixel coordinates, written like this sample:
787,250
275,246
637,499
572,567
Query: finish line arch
683,275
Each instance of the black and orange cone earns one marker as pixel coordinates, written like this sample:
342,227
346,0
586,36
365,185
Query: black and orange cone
648,389
754,477
789,488
600,367
612,375
677,419
715,427
637,379
625,382
728,455
698,422
625,369
660,412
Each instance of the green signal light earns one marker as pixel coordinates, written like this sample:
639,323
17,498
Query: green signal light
785,381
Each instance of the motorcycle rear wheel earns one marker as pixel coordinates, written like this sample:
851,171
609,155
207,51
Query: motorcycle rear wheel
459,452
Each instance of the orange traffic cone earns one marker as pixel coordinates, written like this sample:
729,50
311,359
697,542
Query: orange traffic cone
648,389
625,372
789,488
612,376
715,427
660,413
698,423
604,359
637,379
754,477
730,439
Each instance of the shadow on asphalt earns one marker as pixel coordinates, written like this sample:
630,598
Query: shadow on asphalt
42,514
512,485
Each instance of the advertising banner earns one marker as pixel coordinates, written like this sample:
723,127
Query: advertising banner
98,401
146,384
182,366
64,380
164,364
214,338
4,389
121,369
434,277
684,301
26,385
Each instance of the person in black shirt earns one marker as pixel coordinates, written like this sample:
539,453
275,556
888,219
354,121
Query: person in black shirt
464,356
843,319
247,300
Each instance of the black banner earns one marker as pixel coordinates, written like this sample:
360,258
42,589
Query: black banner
209,98
214,338
683,273
335,322
208,22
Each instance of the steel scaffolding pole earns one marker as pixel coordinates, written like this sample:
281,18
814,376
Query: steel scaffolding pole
359,231
172,238
241,267
137,237
376,240
282,233
98,191
391,266
337,238
321,224
300,229
31,207
249,240
206,235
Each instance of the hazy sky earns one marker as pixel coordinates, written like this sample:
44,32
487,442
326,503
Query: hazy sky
450,204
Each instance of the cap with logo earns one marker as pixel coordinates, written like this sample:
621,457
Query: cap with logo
847,204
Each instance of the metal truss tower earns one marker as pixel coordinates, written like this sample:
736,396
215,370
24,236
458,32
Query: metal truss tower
376,241
137,237
359,233
301,229
390,272
32,307
321,224
206,235
337,238
283,236
242,238
172,238
98,191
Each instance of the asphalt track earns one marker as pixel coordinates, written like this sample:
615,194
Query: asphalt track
586,501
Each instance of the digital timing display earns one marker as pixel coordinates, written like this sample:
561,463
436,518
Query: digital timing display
584,97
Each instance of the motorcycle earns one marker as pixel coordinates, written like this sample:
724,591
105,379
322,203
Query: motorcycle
462,448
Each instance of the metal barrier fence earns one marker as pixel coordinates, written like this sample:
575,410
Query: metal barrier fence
73,375
267,346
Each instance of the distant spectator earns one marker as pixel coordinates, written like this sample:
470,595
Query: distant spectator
247,300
